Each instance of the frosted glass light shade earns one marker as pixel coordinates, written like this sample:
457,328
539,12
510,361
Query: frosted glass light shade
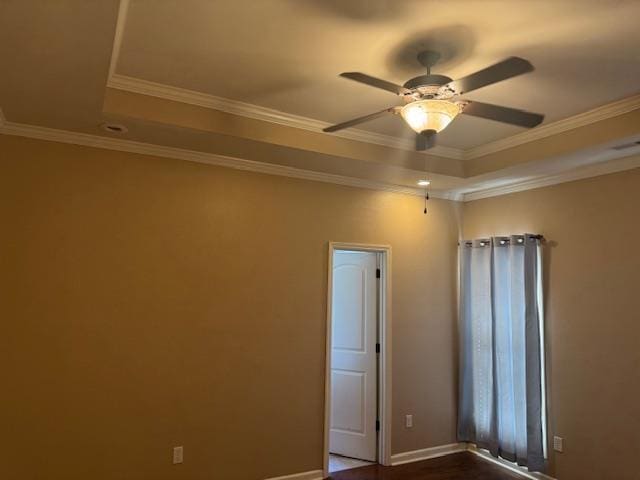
424,115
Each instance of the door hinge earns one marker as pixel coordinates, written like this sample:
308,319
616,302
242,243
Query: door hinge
377,348
377,425
377,273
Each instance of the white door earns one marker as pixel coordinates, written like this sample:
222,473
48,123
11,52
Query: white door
353,355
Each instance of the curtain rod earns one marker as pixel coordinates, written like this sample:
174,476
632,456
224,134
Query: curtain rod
503,239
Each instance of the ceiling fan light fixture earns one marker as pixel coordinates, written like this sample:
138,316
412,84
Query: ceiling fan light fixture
423,115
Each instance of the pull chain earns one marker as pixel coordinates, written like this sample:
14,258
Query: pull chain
426,197
426,169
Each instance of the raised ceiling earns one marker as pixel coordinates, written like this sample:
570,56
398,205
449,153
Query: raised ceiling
287,54
256,80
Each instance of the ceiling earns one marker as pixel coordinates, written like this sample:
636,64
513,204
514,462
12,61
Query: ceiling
200,75
287,54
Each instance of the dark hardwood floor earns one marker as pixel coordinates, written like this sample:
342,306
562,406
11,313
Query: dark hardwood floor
458,466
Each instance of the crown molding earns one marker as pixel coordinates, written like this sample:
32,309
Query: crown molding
235,107
123,10
131,146
596,170
603,112
167,92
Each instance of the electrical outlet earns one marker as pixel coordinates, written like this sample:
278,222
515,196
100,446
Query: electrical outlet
408,421
177,455
558,444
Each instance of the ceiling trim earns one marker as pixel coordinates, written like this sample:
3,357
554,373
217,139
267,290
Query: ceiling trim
603,112
604,168
131,146
167,92
121,21
235,107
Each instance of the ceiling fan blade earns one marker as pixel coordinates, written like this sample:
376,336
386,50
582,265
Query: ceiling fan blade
503,114
376,82
509,68
425,140
356,121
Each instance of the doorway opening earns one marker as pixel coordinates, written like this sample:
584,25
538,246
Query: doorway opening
358,370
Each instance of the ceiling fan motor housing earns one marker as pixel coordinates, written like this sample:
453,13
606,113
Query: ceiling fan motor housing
429,86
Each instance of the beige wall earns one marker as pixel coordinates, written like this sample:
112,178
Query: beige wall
149,302
592,314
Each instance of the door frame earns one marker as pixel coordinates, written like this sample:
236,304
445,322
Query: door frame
384,360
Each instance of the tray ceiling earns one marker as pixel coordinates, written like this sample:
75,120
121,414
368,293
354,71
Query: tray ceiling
253,82
286,54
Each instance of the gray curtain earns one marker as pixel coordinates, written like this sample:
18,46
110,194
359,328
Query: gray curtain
502,394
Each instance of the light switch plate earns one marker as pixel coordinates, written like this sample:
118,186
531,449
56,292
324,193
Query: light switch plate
409,421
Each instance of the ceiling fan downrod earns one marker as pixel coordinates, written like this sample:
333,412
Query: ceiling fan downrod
428,58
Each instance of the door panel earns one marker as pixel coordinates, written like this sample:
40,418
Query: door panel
353,355
349,302
349,397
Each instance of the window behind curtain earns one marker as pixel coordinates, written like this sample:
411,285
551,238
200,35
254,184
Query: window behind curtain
502,394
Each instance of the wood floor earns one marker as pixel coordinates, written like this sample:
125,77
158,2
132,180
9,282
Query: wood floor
458,466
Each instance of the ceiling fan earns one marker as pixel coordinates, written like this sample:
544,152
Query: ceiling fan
431,101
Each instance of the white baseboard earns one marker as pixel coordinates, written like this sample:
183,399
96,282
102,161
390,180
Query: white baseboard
426,453
485,455
442,450
312,475
433,452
